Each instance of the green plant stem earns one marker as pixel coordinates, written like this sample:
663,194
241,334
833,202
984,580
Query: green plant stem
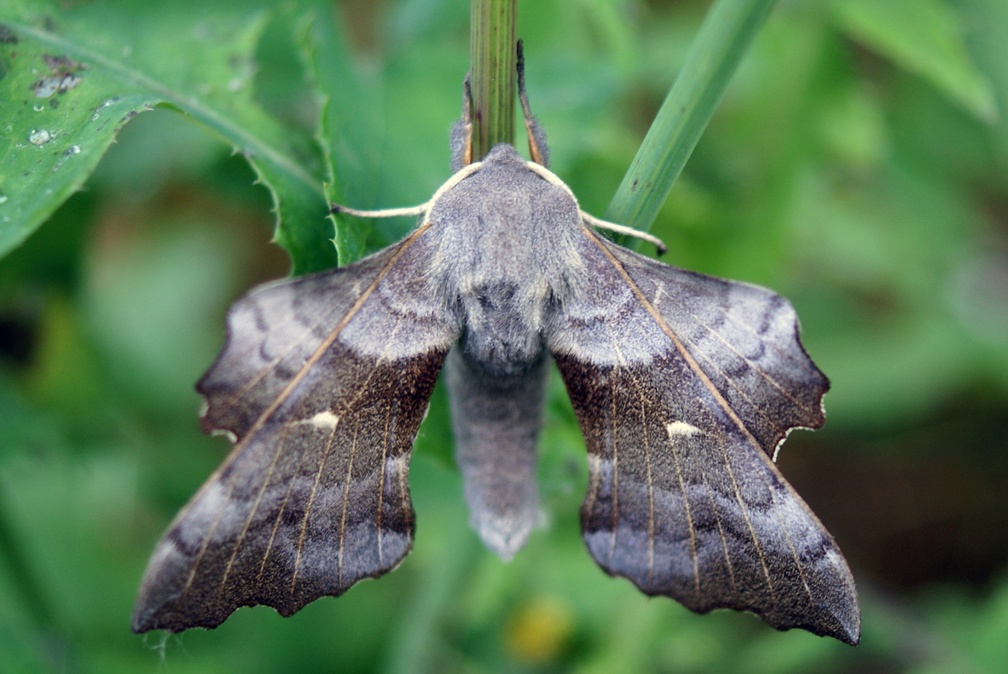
492,73
726,33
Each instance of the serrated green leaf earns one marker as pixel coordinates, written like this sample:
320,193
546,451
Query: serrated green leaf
74,75
344,130
924,37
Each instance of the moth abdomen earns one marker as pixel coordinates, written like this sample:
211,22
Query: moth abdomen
496,419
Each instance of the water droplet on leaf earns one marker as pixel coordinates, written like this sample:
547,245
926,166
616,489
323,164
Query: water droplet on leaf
39,137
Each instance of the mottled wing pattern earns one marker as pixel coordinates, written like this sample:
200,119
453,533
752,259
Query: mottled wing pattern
684,385
323,383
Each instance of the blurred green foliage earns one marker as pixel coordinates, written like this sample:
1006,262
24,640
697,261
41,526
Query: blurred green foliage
857,164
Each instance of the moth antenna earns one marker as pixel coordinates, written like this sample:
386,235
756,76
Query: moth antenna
461,132
626,231
467,101
538,150
336,209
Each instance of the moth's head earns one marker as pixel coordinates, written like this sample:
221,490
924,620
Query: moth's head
503,153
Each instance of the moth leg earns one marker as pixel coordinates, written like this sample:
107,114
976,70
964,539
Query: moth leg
598,223
461,133
419,209
538,149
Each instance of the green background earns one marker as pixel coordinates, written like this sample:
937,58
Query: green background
858,164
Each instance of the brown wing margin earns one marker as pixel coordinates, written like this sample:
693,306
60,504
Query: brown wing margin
324,381
683,386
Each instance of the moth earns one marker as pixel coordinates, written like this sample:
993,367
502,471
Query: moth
684,387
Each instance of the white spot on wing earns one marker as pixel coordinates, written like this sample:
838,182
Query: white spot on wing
232,438
324,419
658,294
681,428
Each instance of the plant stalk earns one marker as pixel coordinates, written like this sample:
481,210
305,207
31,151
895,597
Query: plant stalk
492,73
722,41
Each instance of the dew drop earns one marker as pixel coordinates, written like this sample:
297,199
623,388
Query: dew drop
39,137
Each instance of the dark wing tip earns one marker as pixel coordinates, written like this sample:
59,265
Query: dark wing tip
148,619
845,619
162,605
851,630
175,614
843,625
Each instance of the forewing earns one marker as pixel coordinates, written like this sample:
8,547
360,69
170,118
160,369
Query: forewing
684,385
323,382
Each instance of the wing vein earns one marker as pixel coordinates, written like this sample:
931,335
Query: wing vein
763,373
650,484
381,481
790,541
334,334
279,517
689,512
615,459
346,499
720,528
749,525
707,383
615,487
252,511
310,504
680,347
